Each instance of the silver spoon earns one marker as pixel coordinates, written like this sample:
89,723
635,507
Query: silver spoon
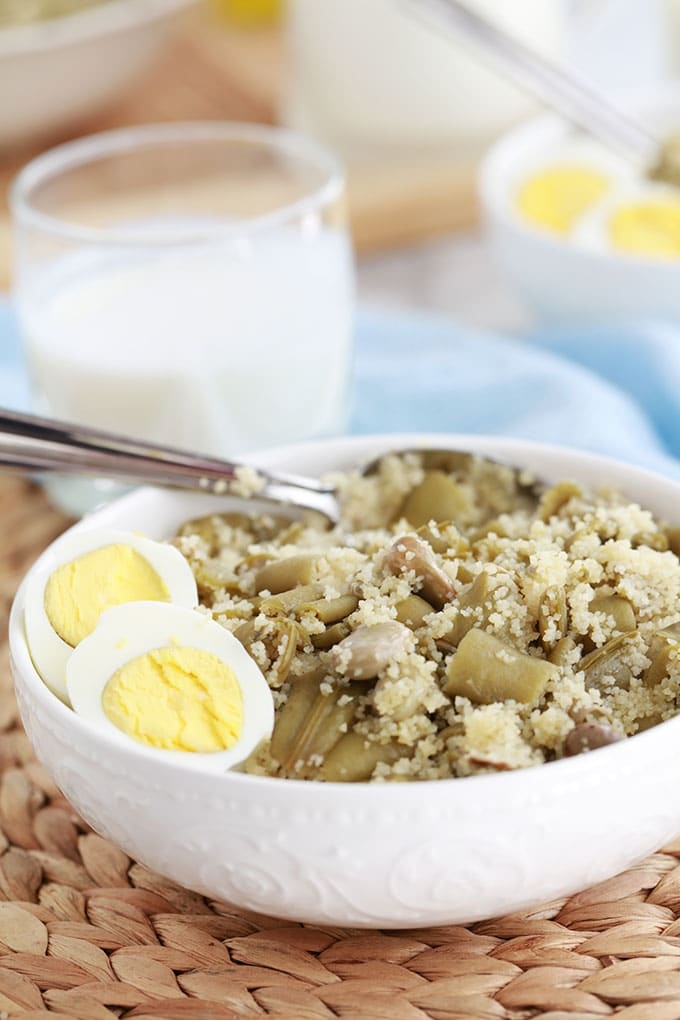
29,443
32,444
555,85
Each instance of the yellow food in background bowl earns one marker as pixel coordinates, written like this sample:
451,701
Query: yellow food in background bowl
555,197
619,258
647,228
249,12
585,198
639,223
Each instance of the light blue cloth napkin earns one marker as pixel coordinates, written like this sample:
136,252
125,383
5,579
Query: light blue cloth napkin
14,391
612,390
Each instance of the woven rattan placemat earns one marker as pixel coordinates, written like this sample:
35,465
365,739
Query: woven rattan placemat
87,933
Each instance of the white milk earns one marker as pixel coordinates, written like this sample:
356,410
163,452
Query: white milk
219,349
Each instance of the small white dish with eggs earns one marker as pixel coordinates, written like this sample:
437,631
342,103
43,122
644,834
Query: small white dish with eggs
579,230
401,854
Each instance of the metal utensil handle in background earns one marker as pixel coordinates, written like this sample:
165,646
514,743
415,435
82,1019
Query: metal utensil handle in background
31,443
550,82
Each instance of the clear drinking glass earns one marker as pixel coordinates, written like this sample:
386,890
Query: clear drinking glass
190,284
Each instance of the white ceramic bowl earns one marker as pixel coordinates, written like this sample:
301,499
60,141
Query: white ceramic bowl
560,280
400,855
56,71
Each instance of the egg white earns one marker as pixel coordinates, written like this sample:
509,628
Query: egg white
132,630
49,652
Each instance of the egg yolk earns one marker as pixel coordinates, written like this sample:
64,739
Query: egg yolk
555,198
77,593
649,228
179,698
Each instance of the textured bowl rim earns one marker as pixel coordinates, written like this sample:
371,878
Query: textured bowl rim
577,769
79,26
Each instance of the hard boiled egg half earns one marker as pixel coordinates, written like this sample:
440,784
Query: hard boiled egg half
565,183
87,573
172,679
642,220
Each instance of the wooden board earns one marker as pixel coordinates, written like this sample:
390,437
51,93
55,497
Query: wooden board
211,71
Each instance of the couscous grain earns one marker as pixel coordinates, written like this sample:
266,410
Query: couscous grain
450,624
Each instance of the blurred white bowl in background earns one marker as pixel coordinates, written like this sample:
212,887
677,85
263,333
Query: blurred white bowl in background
370,78
560,279
56,71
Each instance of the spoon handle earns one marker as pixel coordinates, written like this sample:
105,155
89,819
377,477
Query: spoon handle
553,84
31,443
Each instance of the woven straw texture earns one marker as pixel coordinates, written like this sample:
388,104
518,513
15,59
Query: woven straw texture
87,933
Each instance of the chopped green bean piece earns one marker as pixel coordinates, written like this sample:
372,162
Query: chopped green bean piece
281,575
437,498
354,758
485,670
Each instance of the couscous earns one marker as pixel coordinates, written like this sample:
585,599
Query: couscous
456,621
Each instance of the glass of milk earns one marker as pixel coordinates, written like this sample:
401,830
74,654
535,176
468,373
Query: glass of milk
190,284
